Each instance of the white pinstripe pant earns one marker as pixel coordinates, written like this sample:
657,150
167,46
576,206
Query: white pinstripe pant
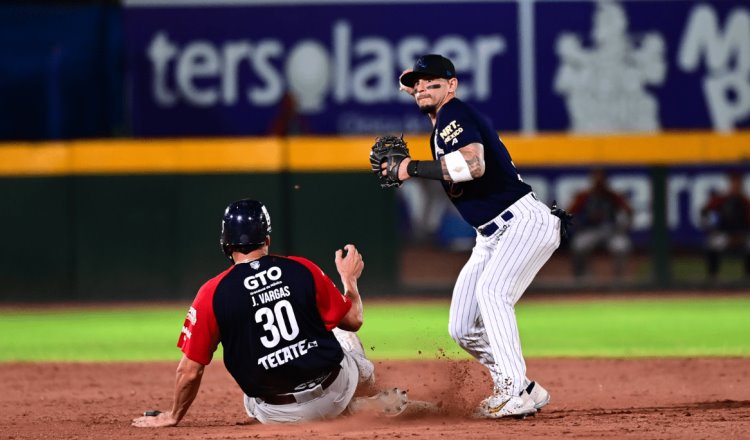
482,314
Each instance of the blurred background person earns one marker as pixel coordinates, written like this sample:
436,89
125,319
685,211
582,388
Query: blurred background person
602,218
726,220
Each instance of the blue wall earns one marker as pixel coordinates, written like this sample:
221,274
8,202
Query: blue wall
61,72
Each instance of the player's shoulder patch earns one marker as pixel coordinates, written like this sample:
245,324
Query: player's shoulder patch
449,132
192,315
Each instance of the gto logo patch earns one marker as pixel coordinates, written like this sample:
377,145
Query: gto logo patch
262,278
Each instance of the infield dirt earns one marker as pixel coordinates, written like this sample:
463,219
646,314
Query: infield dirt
591,398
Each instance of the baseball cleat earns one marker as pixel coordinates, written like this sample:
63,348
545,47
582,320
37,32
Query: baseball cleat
497,406
538,394
390,402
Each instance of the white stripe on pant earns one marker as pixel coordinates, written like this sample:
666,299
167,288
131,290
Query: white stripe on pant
482,314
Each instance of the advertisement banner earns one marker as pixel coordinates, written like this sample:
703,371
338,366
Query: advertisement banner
272,69
642,66
247,67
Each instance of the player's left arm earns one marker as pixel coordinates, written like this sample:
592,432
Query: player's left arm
473,158
350,268
187,384
465,164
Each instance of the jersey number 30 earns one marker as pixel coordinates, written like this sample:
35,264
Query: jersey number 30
280,323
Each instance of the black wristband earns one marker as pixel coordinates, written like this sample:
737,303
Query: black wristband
429,169
411,168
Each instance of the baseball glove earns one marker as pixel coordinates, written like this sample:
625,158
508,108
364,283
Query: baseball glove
566,220
391,150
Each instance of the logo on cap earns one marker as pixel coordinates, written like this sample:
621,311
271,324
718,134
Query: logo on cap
429,65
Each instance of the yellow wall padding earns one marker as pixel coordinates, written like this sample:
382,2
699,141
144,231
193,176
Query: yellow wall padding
320,154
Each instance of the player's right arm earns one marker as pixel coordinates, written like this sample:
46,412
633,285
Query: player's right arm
198,341
187,384
473,156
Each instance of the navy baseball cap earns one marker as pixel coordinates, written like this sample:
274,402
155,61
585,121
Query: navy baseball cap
432,65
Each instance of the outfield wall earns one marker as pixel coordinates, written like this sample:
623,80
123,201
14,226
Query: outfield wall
140,219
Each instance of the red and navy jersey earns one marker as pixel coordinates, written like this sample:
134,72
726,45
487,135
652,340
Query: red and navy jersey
273,317
479,200
732,212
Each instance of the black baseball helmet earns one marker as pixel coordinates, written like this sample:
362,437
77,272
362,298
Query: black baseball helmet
245,226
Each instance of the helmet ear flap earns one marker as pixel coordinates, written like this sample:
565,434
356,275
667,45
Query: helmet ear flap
227,250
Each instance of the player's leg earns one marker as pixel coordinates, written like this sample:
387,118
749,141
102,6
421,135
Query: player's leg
519,254
716,244
249,403
538,393
467,329
351,344
619,245
465,324
582,244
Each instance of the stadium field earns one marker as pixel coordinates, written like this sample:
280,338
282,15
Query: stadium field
399,329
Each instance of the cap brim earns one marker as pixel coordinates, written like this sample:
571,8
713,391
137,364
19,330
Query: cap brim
409,79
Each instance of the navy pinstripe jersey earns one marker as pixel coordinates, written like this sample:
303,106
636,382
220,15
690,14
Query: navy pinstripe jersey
479,200
273,317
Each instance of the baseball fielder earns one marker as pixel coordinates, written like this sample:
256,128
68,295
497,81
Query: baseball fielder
726,218
516,233
287,331
603,218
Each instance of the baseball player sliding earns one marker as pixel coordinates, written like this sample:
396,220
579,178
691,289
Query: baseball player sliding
515,233
287,332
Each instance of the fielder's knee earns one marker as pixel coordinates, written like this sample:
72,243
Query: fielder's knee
487,294
458,333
